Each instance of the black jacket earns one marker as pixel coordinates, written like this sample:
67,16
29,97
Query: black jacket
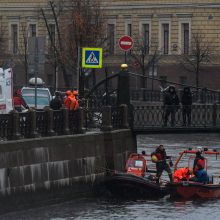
56,103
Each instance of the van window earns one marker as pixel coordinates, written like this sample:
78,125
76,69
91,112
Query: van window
30,92
43,96
1,95
139,163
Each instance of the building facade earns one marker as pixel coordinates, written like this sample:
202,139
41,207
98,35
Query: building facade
162,27
170,28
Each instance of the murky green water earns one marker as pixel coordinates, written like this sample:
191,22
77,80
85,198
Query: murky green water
93,208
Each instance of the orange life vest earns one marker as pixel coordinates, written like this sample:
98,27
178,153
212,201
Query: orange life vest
181,174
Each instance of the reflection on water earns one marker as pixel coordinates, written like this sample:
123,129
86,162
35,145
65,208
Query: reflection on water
91,208
146,209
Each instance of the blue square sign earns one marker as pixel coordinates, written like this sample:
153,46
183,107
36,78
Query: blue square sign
92,58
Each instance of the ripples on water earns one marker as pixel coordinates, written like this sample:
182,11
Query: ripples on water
164,208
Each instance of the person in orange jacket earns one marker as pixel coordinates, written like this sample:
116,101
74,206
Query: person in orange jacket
75,102
182,174
71,101
68,99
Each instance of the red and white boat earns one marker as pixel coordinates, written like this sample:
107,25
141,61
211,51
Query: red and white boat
191,189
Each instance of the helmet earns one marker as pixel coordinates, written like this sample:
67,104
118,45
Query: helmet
68,92
154,158
190,171
75,92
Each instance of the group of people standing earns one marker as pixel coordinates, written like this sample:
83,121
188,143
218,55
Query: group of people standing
70,100
172,104
197,173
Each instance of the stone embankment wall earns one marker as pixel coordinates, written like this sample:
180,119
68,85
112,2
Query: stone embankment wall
51,164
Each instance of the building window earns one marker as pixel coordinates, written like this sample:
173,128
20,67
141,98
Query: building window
163,81
153,70
32,30
50,79
185,38
14,38
129,29
52,37
52,30
183,80
165,38
111,38
145,37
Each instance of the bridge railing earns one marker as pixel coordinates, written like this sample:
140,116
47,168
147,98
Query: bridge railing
200,96
154,116
49,123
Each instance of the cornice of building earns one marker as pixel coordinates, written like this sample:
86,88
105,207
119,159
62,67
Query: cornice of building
154,6
18,8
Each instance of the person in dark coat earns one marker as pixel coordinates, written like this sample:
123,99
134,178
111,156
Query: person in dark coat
186,101
171,105
56,102
161,163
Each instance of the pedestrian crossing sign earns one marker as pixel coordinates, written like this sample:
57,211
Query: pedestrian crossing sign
92,57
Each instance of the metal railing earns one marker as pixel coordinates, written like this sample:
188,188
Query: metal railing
6,126
158,116
60,122
200,96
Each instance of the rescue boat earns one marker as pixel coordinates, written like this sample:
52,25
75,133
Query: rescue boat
136,182
192,189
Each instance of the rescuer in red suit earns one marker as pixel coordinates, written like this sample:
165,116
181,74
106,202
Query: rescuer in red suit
161,163
18,101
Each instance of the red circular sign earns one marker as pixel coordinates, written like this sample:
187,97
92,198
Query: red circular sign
126,43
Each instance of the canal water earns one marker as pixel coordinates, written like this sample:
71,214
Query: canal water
165,208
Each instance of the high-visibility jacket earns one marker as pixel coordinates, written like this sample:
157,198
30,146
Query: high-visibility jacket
181,174
67,102
74,103
71,103
199,164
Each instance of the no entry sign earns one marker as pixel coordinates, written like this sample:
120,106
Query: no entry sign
126,43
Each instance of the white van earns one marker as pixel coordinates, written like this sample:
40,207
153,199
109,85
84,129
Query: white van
6,87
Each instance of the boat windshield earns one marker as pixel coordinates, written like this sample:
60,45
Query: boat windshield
139,163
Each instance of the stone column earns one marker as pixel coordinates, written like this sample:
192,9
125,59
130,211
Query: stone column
50,131
106,118
123,96
80,128
66,129
32,116
15,125
124,115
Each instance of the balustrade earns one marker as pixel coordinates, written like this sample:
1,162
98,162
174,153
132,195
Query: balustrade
33,123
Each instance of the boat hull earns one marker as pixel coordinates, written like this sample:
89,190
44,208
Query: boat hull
131,186
190,189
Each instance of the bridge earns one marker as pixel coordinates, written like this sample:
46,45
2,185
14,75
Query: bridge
116,102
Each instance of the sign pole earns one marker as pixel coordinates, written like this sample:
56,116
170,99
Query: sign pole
78,66
125,43
125,56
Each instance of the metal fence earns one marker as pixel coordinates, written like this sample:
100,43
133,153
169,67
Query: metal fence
154,116
61,122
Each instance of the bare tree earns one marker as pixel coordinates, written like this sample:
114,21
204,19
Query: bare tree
200,54
79,23
146,57
23,50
